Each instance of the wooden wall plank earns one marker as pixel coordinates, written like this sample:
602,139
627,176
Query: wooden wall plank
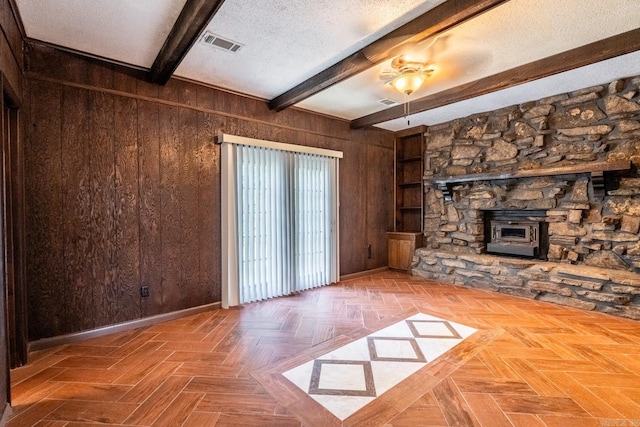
149,202
127,218
352,206
170,201
79,253
104,269
378,215
192,290
209,238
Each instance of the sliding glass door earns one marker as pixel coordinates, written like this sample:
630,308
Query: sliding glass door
280,220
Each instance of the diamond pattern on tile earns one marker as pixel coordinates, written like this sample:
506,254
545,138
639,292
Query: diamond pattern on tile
348,378
432,329
395,350
342,378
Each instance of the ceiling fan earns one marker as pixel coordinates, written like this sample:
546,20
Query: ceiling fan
448,56
407,75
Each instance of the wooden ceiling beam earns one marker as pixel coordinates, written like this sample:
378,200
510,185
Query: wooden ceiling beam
193,19
437,20
585,55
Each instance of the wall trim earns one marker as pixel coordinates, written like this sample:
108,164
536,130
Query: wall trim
120,327
363,273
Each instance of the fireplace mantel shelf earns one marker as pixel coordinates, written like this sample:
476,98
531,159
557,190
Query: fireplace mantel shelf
601,175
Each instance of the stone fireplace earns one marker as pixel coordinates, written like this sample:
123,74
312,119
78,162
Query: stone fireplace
564,168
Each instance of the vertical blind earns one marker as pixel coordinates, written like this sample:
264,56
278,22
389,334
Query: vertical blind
280,221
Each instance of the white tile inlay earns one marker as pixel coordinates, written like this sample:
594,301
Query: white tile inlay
348,378
394,349
342,377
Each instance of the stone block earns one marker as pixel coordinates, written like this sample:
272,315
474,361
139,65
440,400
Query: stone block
501,150
630,224
613,236
517,291
449,227
568,301
439,140
566,229
540,110
464,236
524,130
555,252
587,130
444,255
602,227
483,204
482,284
575,100
462,162
551,159
572,256
546,203
586,284
614,105
524,194
580,192
605,297
495,270
553,99
582,272
550,287
606,259
515,263
512,281
621,289
575,205
469,273
575,216
628,279
440,240
465,152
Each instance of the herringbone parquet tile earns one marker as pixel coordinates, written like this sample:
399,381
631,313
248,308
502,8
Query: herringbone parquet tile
530,364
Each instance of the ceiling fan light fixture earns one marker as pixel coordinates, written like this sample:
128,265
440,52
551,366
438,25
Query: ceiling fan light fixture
409,82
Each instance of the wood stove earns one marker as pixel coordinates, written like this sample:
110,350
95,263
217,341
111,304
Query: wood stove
518,233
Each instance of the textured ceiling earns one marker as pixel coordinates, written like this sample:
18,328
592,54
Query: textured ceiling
128,31
286,42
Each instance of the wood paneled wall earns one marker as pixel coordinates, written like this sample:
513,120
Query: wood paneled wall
123,189
12,286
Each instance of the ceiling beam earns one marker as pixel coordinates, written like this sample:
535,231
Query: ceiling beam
584,55
436,20
193,19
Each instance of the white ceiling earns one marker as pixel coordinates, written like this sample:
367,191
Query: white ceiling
285,42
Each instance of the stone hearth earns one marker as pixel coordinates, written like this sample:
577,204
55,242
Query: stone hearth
593,235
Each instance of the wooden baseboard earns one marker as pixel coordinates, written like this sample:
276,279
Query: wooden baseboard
363,273
133,324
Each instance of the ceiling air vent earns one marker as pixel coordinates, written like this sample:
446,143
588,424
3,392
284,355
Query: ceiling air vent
387,102
221,43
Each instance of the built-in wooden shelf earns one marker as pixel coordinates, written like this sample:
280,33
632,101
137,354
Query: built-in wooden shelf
602,175
410,184
410,159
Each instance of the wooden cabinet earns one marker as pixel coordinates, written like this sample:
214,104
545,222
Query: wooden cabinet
409,192
402,245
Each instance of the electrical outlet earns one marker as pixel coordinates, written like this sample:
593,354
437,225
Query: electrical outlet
369,254
144,291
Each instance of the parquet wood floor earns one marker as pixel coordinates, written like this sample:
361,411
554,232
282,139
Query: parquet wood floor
529,364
